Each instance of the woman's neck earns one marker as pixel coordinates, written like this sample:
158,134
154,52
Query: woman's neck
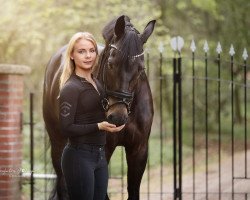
84,74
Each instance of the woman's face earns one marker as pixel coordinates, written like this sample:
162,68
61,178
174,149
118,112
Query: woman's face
84,55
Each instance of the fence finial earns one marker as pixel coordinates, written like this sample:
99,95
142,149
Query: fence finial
218,48
231,51
245,55
192,46
177,43
206,48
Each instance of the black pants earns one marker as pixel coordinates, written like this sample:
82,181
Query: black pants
85,171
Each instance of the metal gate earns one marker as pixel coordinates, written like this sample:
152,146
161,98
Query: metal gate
235,184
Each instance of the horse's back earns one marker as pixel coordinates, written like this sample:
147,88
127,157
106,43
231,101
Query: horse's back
51,91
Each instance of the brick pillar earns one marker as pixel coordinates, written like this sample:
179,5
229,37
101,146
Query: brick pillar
11,100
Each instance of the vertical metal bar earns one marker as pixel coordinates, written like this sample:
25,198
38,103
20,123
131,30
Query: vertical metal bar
148,175
147,64
122,171
109,173
45,165
232,121
206,121
245,116
180,126
161,129
193,122
148,163
219,123
31,148
174,130
21,122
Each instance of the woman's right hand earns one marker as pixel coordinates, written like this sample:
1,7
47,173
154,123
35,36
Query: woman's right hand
105,126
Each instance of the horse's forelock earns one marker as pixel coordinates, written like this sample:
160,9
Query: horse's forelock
130,44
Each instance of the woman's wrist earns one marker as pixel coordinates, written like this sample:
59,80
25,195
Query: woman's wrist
99,126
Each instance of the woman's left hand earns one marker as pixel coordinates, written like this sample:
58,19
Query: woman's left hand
110,127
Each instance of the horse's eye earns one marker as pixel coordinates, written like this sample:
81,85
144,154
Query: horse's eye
112,53
110,66
110,63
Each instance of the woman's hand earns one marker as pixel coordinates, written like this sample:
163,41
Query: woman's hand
105,126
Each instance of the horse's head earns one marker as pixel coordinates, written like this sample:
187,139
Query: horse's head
122,67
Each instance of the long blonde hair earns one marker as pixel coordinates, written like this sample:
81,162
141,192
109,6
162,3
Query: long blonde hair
68,63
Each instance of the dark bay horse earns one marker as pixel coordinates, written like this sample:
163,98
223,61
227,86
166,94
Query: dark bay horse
128,100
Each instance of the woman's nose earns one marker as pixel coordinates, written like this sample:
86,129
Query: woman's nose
87,54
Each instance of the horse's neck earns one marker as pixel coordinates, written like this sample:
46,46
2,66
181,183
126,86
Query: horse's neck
99,70
98,67
96,71
143,87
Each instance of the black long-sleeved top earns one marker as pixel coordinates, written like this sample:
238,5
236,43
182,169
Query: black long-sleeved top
81,110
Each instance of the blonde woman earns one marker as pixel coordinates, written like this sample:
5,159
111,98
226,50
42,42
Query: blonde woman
82,121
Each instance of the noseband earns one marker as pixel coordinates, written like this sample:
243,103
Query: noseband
125,98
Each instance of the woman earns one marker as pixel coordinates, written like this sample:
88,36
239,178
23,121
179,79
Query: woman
82,121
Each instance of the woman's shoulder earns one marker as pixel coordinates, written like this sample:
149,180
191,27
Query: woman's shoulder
71,85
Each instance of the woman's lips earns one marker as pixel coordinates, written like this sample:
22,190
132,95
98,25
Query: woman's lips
88,62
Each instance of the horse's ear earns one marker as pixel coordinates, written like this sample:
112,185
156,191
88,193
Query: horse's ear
147,31
120,26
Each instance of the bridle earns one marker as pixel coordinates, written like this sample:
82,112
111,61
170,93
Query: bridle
125,98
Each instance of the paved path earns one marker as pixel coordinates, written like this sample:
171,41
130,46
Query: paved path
241,186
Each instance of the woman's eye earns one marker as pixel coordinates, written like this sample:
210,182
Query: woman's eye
81,51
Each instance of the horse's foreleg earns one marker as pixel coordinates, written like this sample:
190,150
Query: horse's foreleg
109,150
136,165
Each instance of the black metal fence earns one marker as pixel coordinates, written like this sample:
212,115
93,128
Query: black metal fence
199,144
211,98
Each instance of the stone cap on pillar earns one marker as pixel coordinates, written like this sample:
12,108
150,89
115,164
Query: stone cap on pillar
14,69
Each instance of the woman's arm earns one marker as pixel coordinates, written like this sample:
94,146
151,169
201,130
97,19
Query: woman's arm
68,103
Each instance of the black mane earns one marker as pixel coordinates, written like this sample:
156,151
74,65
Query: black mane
129,44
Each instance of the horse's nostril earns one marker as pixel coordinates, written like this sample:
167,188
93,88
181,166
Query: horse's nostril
110,118
117,120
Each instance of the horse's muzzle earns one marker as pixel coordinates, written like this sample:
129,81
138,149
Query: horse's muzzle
117,119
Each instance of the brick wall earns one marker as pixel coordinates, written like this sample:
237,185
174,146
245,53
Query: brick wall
11,100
